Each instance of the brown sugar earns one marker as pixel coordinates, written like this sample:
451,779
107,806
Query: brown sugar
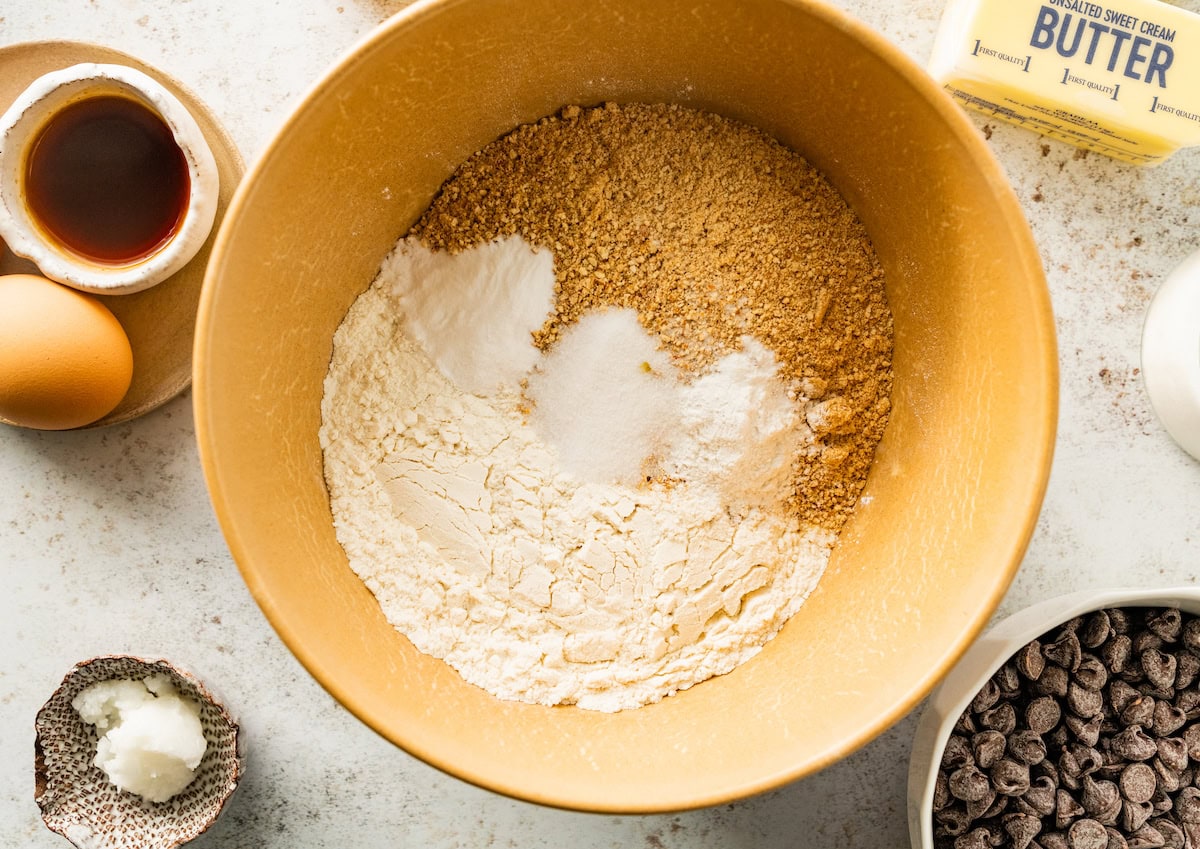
711,231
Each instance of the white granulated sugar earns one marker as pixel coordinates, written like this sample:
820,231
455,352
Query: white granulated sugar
495,295
533,583
604,397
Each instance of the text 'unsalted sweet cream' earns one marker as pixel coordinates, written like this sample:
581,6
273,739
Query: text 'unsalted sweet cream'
1120,77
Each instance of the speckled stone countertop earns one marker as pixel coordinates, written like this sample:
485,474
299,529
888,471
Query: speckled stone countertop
109,543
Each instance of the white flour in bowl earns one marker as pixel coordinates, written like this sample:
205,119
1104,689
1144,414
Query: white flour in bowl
534,583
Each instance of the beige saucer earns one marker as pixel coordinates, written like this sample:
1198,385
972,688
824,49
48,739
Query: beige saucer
160,321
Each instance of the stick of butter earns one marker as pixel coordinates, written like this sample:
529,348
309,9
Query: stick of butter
1121,77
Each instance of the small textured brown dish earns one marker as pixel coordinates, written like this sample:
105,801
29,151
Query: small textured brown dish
78,801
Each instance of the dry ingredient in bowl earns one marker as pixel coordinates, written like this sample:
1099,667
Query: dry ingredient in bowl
590,435
1087,738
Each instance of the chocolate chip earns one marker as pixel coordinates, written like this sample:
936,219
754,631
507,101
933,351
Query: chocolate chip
1087,834
1140,711
1040,795
1116,654
1027,747
1187,805
1010,778
1064,652
957,753
1191,738
1173,752
1169,780
953,820
1029,660
1144,641
1133,744
1133,674
978,808
1137,783
976,838
1002,718
1159,668
1053,681
968,784
1116,840
1167,719
941,791
1095,630
1066,809
1069,772
987,748
1109,750
1008,680
1086,731
1119,620
1053,840
1191,833
1134,815
1042,715
1072,626
1048,769
997,809
1083,702
1146,837
1110,771
1101,800
1087,758
1191,634
1021,829
1187,668
1168,624
986,698
1091,673
1172,834
1189,702
1018,805
1121,694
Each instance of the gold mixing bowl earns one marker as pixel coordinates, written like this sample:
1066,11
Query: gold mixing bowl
958,479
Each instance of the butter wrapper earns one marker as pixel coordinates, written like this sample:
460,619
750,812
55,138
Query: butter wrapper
1121,77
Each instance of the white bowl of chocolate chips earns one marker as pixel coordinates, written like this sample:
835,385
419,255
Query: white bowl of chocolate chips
1072,724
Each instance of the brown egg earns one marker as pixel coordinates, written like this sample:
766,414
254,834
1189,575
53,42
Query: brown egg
65,360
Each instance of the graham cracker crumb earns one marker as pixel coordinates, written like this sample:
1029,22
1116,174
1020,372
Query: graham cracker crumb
710,230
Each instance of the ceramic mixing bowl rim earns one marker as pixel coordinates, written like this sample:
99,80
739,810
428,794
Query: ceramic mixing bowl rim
1040,447
980,663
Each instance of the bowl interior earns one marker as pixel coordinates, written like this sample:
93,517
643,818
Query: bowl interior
958,479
